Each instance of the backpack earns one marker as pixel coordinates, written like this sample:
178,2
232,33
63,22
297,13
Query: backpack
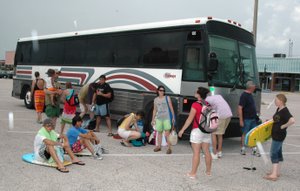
74,100
89,124
120,121
209,119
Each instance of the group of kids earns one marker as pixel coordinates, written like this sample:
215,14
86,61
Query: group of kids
48,144
97,96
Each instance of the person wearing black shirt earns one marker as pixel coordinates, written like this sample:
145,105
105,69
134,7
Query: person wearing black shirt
101,99
282,120
247,115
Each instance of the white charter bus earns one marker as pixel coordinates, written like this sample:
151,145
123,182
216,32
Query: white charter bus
180,55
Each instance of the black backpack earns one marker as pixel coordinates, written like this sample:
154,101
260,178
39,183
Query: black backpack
120,121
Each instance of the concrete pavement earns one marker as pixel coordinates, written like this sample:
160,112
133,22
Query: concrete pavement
139,168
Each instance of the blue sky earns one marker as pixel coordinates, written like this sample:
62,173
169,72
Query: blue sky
278,21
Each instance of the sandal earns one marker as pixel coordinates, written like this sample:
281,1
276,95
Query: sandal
110,134
63,170
190,176
169,151
207,173
157,149
79,163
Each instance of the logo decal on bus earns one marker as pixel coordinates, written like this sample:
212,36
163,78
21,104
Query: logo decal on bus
169,75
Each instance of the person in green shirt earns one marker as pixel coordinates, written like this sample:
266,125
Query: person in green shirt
47,145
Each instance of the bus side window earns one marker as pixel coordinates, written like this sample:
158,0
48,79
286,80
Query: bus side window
193,65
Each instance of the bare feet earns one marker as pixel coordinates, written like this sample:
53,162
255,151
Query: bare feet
270,178
269,173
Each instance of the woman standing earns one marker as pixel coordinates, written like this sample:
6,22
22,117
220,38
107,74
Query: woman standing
163,117
37,92
69,110
282,120
198,139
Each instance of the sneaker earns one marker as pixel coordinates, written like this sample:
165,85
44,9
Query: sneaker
243,151
98,156
255,152
219,154
104,150
214,156
97,149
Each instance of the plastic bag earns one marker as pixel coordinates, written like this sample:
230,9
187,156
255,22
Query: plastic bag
173,138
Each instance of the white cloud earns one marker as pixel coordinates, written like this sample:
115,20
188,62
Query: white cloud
277,6
272,41
296,14
286,32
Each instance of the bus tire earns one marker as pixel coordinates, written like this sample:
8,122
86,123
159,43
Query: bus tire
28,99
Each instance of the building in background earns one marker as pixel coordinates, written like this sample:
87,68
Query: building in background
9,59
279,73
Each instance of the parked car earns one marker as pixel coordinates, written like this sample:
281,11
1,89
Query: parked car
6,74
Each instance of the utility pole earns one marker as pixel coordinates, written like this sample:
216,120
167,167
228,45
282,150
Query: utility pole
291,47
255,20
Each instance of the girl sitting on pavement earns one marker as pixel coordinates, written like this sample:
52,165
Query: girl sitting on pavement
126,132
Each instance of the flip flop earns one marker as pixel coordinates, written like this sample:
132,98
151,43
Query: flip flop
79,163
63,170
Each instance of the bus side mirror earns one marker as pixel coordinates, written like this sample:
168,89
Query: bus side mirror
213,63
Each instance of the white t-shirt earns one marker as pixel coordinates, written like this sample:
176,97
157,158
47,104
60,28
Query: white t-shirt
38,141
48,82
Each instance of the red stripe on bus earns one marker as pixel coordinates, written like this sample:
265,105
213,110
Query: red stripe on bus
23,72
82,76
133,78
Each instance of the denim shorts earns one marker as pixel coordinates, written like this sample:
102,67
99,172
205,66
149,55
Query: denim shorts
276,151
248,125
102,110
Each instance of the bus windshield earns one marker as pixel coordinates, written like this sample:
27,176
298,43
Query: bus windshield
237,63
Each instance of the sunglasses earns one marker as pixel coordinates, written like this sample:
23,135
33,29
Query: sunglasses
49,125
161,90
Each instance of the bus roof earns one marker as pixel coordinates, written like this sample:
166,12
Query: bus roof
153,25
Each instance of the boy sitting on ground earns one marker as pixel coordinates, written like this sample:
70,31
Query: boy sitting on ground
80,139
46,143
